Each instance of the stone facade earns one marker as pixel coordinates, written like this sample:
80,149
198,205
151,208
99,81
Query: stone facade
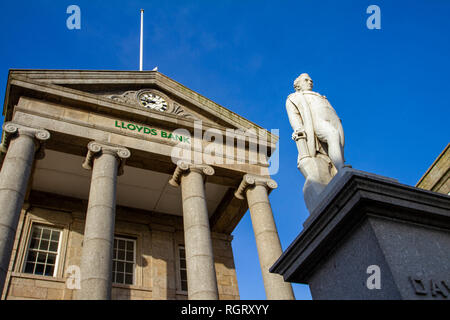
158,237
86,168
437,177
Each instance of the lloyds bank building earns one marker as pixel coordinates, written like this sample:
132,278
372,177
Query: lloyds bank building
95,203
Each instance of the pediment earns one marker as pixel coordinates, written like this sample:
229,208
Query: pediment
126,88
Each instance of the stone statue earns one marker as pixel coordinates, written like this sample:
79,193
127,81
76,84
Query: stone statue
319,136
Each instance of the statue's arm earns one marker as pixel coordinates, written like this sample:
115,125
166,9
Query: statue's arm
295,118
299,134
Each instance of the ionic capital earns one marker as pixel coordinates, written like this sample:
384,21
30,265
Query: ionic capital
96,149
250,180
13,130
184,167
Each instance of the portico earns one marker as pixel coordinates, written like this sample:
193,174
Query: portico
109,173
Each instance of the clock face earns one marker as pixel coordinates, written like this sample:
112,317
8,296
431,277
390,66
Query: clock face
152,101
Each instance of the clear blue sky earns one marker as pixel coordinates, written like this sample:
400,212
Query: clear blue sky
390,86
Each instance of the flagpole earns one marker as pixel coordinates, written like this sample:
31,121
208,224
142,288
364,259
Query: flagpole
141,57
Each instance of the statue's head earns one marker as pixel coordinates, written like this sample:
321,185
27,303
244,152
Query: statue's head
303,82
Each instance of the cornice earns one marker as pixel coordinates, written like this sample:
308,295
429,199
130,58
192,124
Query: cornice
57,78
93,101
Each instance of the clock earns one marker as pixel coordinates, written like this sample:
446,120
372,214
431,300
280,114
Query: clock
152,101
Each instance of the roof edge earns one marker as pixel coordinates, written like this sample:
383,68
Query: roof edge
143,74
432,165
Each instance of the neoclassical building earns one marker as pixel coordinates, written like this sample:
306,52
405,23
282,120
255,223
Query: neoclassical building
114,185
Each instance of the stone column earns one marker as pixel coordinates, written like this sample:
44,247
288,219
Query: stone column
106,162
255,189
201,274
23,145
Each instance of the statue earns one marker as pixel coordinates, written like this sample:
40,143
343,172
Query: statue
319,136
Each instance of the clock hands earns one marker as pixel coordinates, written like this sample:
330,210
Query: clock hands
154,102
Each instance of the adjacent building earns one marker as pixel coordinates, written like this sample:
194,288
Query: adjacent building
437,177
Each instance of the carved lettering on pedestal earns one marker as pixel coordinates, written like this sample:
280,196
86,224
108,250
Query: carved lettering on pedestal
418,286
435,288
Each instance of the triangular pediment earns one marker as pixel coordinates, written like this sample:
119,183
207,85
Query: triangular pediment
130,88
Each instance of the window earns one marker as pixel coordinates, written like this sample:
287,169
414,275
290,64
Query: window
124,260
43,247
183,272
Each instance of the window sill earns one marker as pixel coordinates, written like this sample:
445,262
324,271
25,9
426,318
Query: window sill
131,287
63,280
181,293
36,277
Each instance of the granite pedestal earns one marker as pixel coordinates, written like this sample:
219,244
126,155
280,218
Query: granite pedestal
371,238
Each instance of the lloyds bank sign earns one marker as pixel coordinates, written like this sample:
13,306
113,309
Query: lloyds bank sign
152,131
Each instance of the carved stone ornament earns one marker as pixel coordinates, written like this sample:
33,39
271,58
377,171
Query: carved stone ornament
153,100
97,148
12,130
250,180
183,167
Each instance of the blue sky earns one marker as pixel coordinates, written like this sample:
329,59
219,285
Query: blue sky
390,86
